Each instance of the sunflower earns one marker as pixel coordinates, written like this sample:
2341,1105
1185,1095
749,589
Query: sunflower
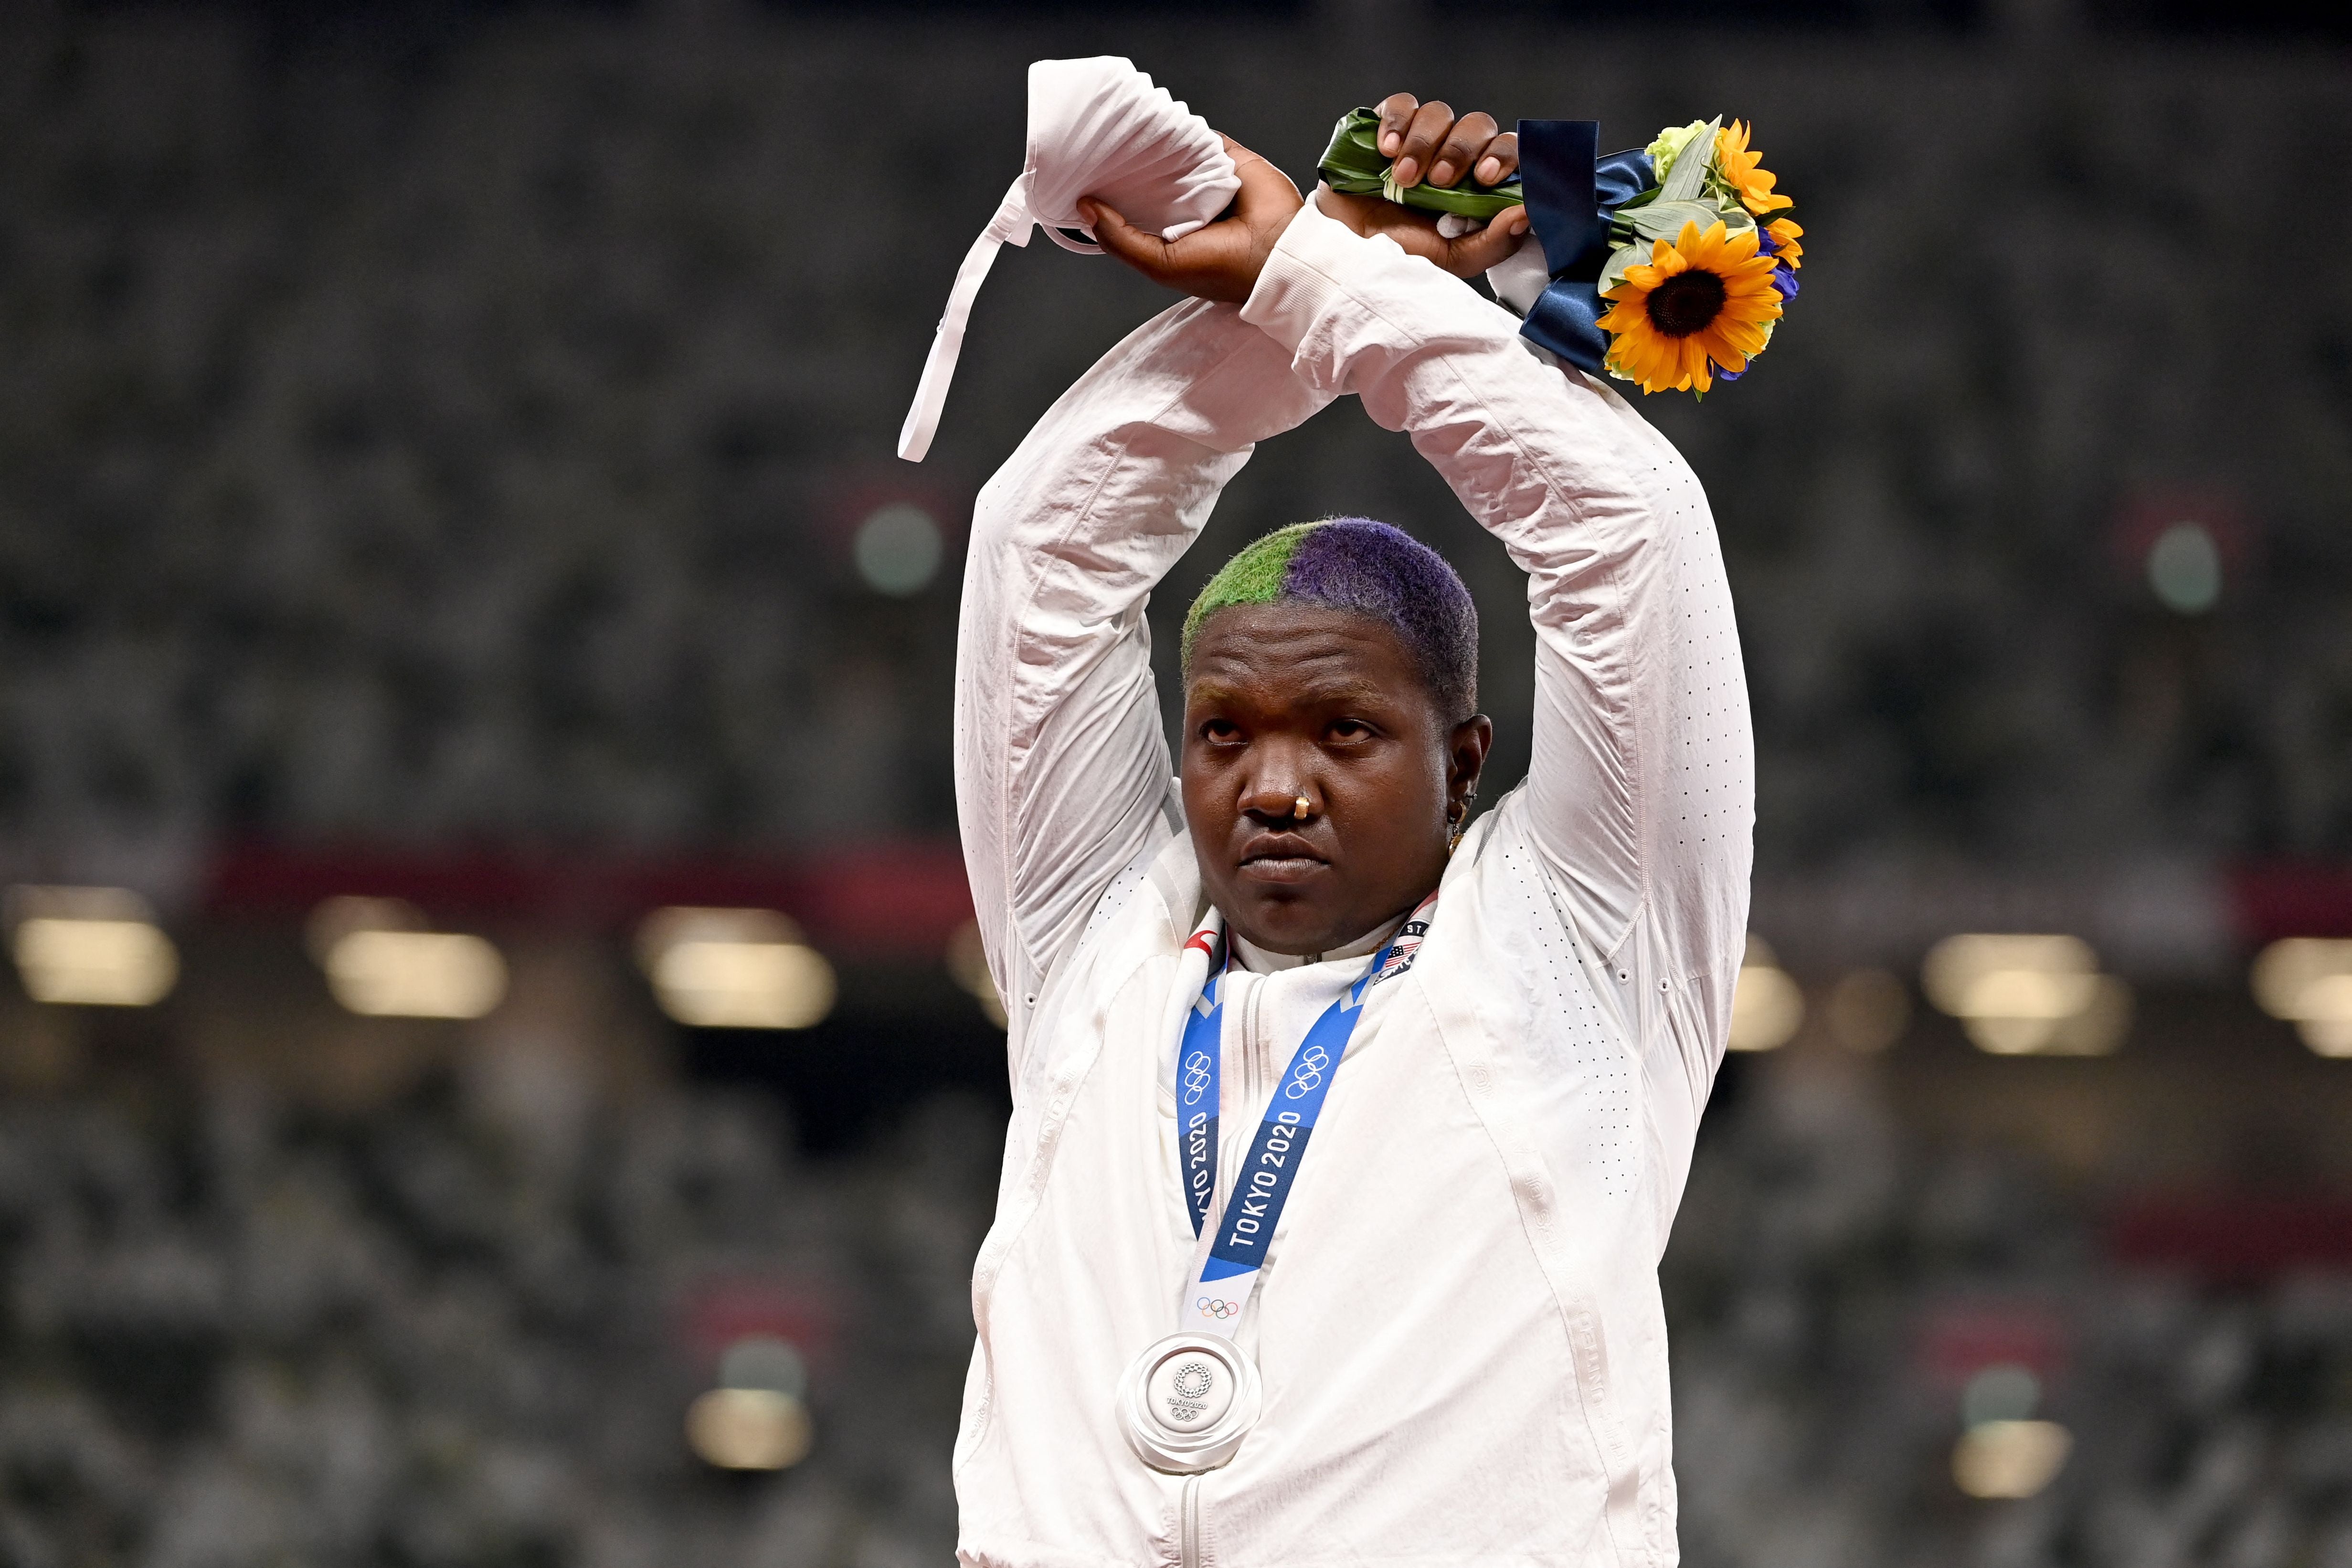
1737,165
1701,302
1785,246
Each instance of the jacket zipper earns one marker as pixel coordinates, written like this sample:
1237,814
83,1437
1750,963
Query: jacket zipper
1249,1047
1254,1047
1188,1505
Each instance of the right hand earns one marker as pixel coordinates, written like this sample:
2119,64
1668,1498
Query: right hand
1221,261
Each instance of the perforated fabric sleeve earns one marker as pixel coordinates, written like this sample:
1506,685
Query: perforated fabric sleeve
1641,791
1061,762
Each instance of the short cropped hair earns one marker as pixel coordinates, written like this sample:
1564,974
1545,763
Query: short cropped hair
1372,569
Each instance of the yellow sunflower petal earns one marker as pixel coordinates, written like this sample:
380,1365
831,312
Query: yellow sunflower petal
1733,340
1740,165
1695,361
1750,308
1737,337
1696,378
1621,364
1667,364
1646,357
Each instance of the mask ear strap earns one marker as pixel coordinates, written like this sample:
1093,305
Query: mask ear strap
1080,239
1011,226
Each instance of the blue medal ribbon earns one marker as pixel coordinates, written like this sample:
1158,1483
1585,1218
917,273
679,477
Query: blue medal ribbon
1573,194
1264,1183
1255,1206
1199,1082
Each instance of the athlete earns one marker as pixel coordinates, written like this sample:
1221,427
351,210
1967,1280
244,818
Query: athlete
1346,1129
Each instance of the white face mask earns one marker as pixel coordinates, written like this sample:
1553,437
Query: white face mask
1097,128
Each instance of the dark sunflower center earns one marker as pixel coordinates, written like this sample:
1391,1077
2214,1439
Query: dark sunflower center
1686,302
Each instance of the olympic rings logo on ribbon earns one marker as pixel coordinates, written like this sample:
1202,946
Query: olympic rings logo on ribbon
1307,1073
1217,1307
1196,1076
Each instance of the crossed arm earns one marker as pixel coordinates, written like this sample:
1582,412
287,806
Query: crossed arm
1639,794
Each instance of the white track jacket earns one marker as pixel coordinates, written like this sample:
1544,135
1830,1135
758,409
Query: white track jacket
1459,1328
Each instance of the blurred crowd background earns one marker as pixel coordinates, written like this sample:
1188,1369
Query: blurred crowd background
494,1071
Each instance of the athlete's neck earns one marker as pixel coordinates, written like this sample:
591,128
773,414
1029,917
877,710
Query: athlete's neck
1258,961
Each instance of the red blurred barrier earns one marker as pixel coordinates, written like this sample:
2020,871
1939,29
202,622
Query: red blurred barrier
884,900
2232,1240
714,1313
1960,1339
2274,898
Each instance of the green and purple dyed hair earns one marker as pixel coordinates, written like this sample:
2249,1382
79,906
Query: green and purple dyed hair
1371,569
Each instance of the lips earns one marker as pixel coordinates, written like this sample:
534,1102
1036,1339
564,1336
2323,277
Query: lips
1279,857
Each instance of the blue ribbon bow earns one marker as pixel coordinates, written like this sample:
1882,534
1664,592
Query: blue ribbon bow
1572,193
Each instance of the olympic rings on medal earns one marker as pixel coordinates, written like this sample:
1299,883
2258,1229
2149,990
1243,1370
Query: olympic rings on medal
1216,1308
1196,1076
1307,1073
1187,1402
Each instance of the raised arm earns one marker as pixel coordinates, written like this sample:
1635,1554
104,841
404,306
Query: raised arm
1641,793
1062,767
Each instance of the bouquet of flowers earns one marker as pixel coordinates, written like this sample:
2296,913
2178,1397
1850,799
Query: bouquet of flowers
1686,241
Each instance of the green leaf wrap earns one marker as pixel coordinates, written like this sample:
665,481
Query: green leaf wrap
1353,164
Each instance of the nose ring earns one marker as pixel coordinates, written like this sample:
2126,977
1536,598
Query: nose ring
1298,808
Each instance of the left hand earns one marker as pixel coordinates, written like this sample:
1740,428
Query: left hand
1221,261
1429,138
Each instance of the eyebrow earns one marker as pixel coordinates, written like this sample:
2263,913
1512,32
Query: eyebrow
1340,691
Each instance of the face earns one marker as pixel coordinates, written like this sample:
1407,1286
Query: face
1286,700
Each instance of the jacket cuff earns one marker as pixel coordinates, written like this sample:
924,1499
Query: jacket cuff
1301,280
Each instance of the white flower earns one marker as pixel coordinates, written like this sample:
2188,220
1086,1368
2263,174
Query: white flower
1669,146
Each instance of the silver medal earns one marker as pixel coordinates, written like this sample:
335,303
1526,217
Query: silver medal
1187,1402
